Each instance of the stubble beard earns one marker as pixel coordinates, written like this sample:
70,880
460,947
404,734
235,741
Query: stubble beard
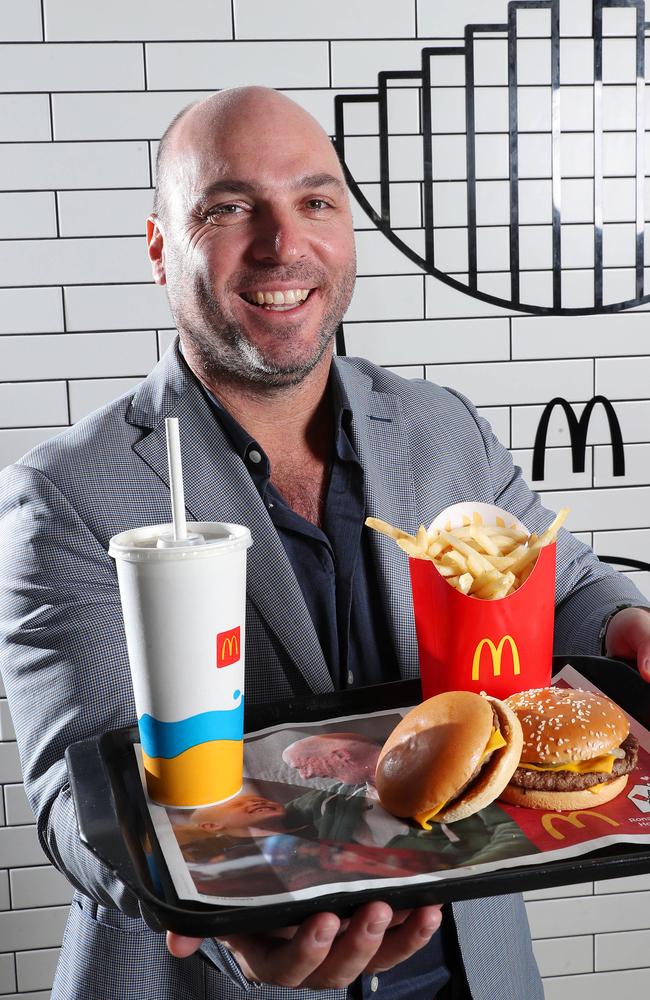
223,351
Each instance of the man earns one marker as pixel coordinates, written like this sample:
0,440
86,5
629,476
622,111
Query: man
349,757
253,237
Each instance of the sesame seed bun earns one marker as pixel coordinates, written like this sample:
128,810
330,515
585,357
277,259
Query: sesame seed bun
565,724
562,728
434,756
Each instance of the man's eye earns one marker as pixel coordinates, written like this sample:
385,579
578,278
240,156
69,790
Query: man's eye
317,204
221,211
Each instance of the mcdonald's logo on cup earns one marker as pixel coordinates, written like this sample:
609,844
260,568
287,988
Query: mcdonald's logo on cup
549,819
496,654
228,647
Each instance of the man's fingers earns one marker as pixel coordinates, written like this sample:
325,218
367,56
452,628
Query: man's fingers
285,962
628,637
402,941
352,951
180,946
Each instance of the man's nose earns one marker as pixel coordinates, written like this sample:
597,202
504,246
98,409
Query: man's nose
278,237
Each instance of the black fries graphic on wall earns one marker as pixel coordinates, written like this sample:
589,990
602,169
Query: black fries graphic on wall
513,166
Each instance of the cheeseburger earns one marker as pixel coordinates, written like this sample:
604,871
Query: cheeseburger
448,757
577,749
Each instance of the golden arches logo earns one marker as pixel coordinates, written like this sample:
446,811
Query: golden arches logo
231,643
548,820
496,653
228,647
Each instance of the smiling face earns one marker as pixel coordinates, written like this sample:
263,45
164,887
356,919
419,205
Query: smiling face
255,239
244,815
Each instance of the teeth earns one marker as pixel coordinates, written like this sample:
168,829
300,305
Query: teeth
291,297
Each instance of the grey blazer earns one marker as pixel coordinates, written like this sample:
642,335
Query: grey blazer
64,658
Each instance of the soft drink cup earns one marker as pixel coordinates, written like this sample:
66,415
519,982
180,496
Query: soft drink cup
184,606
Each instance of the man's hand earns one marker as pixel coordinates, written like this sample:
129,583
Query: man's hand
628,638
324,952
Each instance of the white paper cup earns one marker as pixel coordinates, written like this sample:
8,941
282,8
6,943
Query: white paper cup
184,611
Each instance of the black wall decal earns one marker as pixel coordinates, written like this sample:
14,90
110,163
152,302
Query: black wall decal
603,286
578,428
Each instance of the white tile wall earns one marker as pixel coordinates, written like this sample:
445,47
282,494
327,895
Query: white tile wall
35,969
35,68
21,22
80,355
103,213
5,902
339,19
27,167
116,116
85,93
33,310
76,20
40,886
26,215
87,395
214,65
24,118
62,262
116,307
17,809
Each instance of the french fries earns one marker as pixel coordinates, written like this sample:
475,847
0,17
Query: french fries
483,560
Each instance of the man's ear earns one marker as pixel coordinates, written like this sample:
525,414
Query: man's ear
156,247
211,827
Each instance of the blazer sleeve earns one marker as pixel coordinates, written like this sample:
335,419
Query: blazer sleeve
65,666
588,592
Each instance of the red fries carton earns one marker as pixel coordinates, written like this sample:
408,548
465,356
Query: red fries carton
468,643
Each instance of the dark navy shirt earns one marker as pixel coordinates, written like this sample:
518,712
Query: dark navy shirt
333,564
335,569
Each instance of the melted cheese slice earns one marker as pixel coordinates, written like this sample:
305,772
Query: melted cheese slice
495,742
599,765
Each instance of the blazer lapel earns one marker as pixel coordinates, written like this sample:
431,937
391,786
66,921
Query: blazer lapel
218,487
380,440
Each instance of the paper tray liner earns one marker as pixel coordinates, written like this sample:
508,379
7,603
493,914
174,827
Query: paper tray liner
115,825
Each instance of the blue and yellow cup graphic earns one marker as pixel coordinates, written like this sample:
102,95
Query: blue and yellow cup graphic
184,618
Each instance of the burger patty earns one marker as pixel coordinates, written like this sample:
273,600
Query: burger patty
570,781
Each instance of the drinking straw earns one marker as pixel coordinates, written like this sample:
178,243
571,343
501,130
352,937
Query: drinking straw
176,478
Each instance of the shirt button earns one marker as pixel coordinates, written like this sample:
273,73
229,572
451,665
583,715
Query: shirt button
254,456
350,677
374,984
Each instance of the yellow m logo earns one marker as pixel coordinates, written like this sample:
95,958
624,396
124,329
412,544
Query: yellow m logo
548,820
231,643
496,653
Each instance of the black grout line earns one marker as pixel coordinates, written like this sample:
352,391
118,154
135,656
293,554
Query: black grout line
56,217
232,20
144,67
49,98
42,21
67,400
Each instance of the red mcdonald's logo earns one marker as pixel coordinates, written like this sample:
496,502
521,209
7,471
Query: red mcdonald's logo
228,647
496,653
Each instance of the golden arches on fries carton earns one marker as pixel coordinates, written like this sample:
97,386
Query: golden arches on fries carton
483,597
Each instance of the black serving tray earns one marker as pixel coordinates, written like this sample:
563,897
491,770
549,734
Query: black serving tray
114,821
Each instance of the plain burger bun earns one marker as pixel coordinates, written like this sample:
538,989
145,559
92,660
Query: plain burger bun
436,756
577,749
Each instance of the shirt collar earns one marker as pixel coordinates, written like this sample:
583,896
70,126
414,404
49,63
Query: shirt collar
249,449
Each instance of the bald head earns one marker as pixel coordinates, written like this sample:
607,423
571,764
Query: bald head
198,129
